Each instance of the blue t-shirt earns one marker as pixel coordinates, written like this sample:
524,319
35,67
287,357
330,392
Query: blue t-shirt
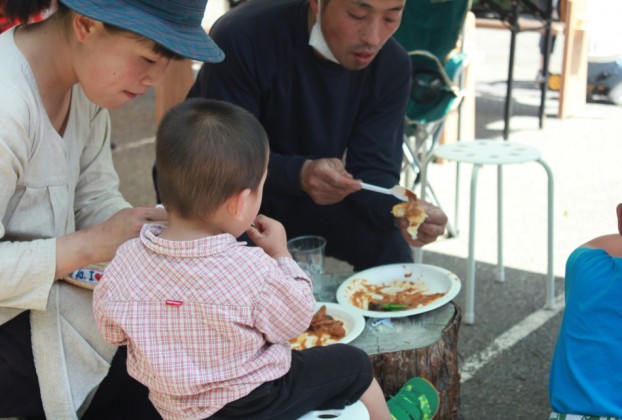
586,372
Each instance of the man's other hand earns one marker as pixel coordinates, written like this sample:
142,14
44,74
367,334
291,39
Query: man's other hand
433,226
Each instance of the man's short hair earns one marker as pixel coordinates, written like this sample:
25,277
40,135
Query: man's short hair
206,151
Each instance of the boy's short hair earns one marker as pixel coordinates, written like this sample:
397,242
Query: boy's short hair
206,151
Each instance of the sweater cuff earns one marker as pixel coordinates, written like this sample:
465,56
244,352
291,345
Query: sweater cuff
284,175
34,277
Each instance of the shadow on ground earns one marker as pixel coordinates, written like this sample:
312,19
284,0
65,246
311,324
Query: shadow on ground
515,381
490,105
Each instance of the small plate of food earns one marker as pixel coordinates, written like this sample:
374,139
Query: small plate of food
331,323
87,277
398,290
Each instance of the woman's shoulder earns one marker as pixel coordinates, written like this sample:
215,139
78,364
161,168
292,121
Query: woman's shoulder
19,90
17,81
19,99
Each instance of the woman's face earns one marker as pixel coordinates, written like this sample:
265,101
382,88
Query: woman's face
115,67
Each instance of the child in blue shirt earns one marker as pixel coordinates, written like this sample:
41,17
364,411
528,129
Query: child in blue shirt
586,378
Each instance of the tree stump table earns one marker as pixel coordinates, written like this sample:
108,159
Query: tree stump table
424,345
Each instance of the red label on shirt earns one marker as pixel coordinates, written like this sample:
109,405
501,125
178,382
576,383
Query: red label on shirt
171,302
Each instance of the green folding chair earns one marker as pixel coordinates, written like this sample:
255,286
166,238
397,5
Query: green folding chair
430,31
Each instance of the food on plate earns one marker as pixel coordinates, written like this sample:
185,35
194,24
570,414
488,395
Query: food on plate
395,295
412,212
324,330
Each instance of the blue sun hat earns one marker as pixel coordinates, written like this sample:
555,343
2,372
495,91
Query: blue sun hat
174,24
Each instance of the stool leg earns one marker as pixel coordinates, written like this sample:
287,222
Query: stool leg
418,255
457,199
451,231
500,268
469,317
424,184
550,279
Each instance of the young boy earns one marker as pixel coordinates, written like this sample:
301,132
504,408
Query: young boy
207,319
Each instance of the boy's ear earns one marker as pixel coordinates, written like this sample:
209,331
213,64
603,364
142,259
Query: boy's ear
238,202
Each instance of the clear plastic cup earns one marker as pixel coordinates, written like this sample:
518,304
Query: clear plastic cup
308,251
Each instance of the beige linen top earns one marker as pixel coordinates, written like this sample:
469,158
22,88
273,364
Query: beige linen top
50,186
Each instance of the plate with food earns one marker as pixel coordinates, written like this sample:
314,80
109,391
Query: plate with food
398,290
331,323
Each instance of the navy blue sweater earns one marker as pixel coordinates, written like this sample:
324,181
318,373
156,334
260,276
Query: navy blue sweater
311,108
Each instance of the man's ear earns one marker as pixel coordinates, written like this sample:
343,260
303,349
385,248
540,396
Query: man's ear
237,203
83,26
619,212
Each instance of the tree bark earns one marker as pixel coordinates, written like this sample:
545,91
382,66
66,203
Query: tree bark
438,363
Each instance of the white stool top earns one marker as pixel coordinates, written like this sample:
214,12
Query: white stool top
356,411
484,152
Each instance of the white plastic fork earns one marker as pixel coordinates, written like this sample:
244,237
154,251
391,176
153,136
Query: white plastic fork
396,191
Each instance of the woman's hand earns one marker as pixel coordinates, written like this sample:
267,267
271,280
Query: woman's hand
100,242
125,225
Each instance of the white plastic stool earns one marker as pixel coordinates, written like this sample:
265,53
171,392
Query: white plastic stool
356,411
493,152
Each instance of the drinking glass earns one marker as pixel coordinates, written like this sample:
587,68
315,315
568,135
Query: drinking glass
308,252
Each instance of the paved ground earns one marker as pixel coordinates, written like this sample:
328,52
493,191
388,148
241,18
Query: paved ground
506,355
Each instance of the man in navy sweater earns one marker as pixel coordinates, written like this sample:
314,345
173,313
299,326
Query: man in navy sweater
330,86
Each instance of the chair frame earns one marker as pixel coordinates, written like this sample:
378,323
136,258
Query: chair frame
422,137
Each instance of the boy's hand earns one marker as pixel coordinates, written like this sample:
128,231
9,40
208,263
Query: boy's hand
269,235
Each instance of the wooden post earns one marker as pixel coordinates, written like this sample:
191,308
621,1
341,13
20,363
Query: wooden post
463,128
178,81
573,92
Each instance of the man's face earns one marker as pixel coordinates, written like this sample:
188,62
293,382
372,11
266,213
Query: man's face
355,30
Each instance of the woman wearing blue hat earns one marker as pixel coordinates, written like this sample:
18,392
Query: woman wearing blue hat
60,208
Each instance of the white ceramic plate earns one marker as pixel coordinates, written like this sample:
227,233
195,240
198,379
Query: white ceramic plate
353,322
429,278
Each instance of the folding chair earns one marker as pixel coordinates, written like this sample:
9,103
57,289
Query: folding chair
430,31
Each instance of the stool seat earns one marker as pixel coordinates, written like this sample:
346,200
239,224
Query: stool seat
494,152
486,152
356,411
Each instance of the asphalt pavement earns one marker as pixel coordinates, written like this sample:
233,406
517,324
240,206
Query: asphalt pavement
505,356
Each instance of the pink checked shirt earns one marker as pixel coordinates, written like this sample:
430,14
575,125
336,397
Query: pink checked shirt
205,321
